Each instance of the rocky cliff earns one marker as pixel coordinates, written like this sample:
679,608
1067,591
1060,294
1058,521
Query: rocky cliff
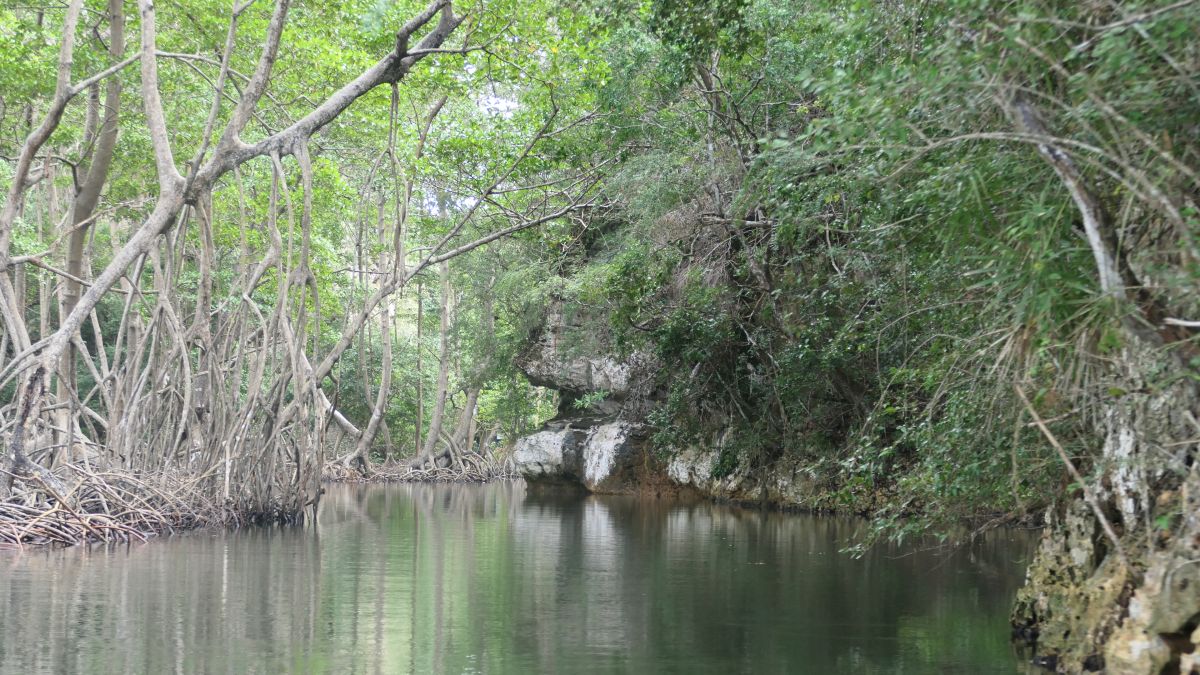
598,440
1115,583
594,441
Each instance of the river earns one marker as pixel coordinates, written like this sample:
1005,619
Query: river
493,579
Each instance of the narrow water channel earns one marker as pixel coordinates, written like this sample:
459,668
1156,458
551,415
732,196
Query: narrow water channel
490,579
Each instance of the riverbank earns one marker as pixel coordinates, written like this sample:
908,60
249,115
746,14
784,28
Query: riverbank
76,504
83,506
470,468
612,456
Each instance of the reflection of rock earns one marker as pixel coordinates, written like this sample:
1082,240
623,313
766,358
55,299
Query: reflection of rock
552,532
602,544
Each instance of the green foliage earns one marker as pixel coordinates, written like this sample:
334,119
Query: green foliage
833,244
538,64
697,28
25,50
590,399
817,215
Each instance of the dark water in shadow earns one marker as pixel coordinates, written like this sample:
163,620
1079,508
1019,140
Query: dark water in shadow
466,579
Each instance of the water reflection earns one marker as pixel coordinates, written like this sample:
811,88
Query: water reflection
419,578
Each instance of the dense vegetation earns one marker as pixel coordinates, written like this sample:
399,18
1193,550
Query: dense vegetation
942,256
837,228
235,239
858,234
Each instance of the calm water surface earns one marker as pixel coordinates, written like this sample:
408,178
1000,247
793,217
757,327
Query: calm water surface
490,579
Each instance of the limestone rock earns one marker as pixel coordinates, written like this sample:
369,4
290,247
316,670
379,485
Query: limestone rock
550,455
554,359
596,454
782,484
1083,605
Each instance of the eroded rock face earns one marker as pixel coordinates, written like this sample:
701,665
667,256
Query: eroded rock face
598,455
1163,622
552,454
1086,606
606,448
782,485
554,360
577,374
596,447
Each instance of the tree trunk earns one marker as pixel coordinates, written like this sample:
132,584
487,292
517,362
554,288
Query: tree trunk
443,381
362,454
420,418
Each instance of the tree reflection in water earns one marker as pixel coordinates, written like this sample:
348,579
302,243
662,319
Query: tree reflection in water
457,578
